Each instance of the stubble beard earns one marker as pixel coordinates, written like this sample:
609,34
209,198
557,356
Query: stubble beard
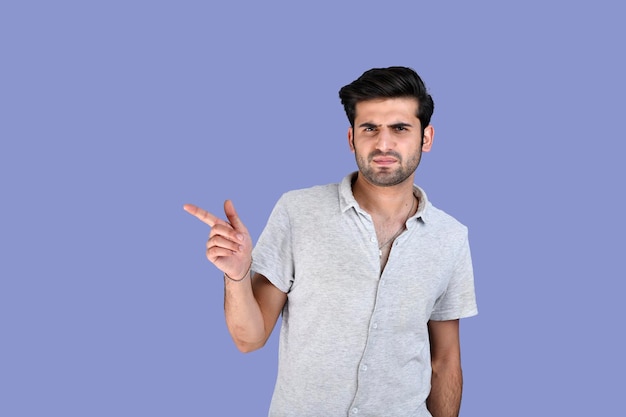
387,177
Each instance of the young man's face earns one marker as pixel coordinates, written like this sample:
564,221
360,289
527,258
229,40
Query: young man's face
387,140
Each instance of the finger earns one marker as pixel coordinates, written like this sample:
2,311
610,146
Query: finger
223,242
202,215
233,217
215,253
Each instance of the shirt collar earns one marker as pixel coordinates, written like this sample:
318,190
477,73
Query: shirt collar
347,200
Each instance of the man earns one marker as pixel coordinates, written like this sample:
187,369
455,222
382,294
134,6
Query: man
371,279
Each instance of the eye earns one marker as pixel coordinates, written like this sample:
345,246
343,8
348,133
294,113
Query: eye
400,128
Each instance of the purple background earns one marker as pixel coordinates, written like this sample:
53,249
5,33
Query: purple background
113,114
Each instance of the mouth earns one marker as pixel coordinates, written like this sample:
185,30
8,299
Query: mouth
384,161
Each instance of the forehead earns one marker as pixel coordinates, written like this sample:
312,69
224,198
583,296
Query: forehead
402,107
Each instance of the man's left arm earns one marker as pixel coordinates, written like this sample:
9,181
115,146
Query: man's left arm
447,379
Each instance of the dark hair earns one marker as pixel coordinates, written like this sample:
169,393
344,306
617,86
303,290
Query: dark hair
392,82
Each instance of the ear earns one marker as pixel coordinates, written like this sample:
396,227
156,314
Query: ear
429,135
351,139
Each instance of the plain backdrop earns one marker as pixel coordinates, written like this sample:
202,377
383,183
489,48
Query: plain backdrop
113,114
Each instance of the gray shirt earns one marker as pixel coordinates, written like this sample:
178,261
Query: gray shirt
353,341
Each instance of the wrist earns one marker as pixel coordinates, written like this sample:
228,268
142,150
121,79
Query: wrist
226,276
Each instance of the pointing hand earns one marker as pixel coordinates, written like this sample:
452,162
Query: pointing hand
229,246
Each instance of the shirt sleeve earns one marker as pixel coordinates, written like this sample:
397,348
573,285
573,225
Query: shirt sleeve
459,298
273,255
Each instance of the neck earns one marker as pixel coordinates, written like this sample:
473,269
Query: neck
384,201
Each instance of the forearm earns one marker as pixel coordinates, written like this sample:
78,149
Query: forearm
446,388
243,315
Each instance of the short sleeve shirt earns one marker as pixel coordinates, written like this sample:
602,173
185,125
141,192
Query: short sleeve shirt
353,341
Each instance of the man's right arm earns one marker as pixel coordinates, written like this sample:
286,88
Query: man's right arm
251,304
251,307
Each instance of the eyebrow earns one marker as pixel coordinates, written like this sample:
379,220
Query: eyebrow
400,124
393,125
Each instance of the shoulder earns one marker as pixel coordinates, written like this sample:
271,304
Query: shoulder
308,206
441,217
312,195
436,219
443,224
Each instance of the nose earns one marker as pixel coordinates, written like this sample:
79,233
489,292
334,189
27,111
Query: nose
385,140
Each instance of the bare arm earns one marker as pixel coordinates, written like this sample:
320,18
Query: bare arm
251,305
447,379
252,308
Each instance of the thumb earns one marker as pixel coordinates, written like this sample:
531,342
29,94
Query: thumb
233,217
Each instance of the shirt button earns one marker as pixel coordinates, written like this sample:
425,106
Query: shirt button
372,239
382,282
363,368
355,410
375,325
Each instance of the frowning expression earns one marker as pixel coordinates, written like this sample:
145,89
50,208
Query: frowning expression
387,140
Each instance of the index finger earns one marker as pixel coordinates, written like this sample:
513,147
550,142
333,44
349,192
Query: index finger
201,214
